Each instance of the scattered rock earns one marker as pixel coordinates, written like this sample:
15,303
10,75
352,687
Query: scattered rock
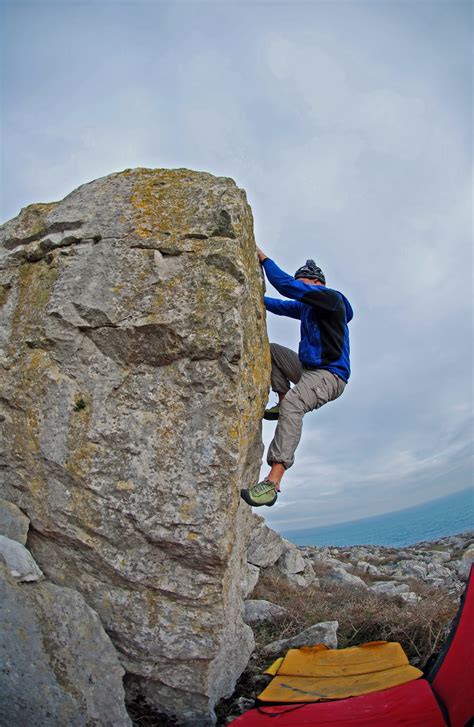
466,562
410,569
390,588
435,570
368,568
260,610
13,523
339,576
265,546
19,560
321,633
439,556
291,560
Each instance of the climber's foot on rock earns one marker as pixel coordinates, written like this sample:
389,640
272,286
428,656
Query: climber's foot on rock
264,493
273,413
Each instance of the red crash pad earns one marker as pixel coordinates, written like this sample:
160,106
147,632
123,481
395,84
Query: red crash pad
409,705
452,675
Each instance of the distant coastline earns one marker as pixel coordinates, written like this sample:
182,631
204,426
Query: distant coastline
448,515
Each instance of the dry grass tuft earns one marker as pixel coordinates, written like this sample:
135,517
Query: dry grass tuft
362,615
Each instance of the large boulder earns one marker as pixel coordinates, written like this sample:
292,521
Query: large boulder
58,665
134,370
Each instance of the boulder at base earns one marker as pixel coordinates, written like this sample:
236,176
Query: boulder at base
134,370
58,665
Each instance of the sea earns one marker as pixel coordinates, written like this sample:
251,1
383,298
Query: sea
432,520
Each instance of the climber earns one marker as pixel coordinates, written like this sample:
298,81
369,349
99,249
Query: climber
319,372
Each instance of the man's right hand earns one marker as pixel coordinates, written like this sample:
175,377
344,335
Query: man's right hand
261,255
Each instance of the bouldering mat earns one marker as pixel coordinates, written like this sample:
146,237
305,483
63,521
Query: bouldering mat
314,673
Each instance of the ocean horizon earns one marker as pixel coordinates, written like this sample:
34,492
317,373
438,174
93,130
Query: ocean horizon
432,520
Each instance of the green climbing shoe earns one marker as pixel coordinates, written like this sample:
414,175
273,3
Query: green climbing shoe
272,413
262,494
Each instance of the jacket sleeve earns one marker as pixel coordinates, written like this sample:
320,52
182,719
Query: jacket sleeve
290,308
317,296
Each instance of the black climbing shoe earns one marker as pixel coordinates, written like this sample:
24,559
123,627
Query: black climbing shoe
272,413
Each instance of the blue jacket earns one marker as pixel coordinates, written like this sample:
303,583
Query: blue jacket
324,314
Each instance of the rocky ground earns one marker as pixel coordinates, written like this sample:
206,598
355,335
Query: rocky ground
345,597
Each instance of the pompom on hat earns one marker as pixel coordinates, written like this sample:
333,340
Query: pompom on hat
311,271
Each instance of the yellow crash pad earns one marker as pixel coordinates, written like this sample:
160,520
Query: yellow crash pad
312,673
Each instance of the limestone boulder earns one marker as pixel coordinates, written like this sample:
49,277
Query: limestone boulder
257,610
58,665
324,632
19,561
13,523
369,568
410,569
291,560
338,576
390,588
134,370
466,562
265,546
250,579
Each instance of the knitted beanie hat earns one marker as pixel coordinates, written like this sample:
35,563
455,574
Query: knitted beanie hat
310,270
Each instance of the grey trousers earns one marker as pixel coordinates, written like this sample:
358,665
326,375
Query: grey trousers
313,388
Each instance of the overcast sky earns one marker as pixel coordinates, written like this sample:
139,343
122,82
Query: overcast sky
349,126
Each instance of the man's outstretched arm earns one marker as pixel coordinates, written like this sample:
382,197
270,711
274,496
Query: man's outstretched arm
290,308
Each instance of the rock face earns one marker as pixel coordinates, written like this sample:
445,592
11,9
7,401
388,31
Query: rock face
18,560
134,370
59,666
13,524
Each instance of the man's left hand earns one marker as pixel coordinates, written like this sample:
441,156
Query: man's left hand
261,255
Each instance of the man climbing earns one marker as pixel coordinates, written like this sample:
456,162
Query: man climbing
319,372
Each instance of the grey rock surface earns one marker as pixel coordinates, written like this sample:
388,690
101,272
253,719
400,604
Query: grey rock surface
410,569
257,610
390,588
13,523
250,579
466,563
19,561
339,576
320,633
265,546
439,556
369,568
134,370
58,665
291,561
301,579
